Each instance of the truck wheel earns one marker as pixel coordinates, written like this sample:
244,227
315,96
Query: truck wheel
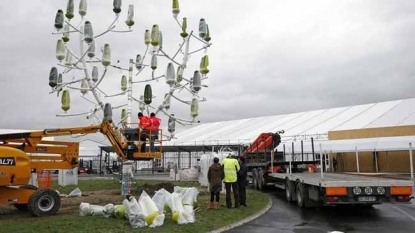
288,192
260,178
255,178
45,202
300,195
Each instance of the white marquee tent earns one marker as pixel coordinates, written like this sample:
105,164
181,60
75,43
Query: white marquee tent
317,124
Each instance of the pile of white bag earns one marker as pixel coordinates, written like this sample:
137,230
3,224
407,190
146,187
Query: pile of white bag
143,213
190,174
148,211
182,203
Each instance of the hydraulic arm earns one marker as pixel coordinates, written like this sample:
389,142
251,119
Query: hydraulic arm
68,152
27,152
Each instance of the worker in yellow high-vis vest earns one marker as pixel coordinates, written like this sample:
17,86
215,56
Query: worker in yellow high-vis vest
231,168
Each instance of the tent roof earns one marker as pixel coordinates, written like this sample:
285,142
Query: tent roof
299,125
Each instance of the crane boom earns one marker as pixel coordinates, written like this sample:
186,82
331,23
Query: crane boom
46,154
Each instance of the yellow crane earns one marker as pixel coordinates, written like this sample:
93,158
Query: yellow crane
26,152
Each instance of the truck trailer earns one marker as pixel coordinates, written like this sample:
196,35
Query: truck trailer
306,182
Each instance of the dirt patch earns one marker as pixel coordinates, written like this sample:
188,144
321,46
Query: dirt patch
7,209
103,197
152,188
70,204
94,197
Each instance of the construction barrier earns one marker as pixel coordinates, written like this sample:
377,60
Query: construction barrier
44,180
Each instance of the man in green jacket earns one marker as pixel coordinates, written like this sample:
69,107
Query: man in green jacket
231,168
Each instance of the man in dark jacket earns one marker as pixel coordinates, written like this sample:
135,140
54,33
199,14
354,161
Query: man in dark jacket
215,177
242,174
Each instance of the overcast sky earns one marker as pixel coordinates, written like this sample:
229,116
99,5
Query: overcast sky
268,56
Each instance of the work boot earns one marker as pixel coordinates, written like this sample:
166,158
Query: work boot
216,205
210,205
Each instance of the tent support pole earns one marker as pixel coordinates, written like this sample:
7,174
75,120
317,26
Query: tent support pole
302,151
321,162
411,161
291,158
312,148
357,161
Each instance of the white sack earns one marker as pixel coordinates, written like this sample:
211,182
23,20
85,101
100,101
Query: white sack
190,174
179,190
134,213
168,206
177,208
75,193
147,204
109,210
85,209
188,213
160,200
97,210
158,221
67,177
190,196
150,209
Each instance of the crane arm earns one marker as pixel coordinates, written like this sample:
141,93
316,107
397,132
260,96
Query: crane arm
114,138
34,142
265,141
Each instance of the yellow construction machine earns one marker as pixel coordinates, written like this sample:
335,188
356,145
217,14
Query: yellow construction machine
22,154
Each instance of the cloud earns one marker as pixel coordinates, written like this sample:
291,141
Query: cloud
268,57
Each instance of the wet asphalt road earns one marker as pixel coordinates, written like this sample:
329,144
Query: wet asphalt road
285,217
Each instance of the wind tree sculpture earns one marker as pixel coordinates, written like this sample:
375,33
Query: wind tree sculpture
88,60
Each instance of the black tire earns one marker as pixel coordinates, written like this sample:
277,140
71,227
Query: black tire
301,197
260,177
44,202
288,191
254,179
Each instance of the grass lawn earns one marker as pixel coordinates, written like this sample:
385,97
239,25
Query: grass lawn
70,221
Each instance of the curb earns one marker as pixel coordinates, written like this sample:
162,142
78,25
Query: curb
248,219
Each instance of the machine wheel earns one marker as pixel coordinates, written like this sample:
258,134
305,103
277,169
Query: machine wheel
255,178
260,178
24,207
288,192
45,202
301,197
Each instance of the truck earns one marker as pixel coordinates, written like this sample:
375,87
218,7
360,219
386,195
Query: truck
305,182
24,153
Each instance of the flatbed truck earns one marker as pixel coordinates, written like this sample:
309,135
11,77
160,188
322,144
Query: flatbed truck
306,183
